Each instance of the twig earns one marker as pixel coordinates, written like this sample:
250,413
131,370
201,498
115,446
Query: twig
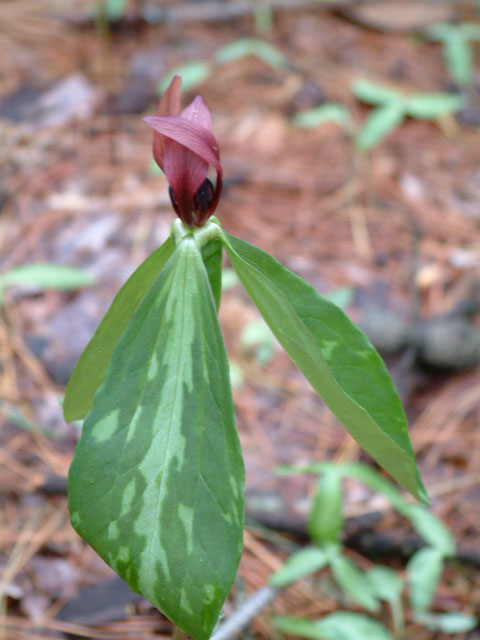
246,613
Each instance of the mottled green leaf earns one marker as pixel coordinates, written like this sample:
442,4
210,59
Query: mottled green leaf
300,564
354,582
212,259
375,93
156,484
334,355
342,625
251,47
93,362
430,106
325,521
423,573
380,122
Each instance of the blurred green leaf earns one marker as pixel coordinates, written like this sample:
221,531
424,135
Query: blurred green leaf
236,374
251,47
423,573
430,528
340,297
229,279
263,18
354,582
447,622
376,94
342,625
381,121
471,30
440,31
430,106
327,112
258,337
325,521
298,565
385,583
114,9
154,169
193,73
45,275
458,55
377,482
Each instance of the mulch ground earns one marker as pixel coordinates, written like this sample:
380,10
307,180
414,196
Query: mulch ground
399,228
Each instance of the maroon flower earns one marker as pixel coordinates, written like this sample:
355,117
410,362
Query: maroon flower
184,147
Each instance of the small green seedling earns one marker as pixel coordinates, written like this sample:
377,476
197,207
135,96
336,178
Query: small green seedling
324,113
365,588
457,41
392,107
194,72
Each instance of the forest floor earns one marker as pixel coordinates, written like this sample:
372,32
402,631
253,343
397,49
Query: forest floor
397,228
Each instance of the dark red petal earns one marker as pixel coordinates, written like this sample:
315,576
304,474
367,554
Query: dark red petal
189,134
185,172
169,105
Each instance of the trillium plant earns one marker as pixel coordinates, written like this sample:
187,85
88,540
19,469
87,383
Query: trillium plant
156,484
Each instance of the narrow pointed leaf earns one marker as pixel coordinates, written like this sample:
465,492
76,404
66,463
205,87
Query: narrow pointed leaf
334,355
430,106
251,47
91,367
385,583
47,275
354,582
300,564
423,573
381,121
341,625
453,622
156,484
458,55
431,528
325,521
327,112
375,93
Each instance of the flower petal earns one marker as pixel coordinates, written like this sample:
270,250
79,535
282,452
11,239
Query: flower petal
169,105
189,134
197,112
185,172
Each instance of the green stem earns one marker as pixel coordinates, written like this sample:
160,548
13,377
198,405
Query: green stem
202,235
398,618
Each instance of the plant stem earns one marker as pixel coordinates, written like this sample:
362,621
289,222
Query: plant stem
178,634
398,618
